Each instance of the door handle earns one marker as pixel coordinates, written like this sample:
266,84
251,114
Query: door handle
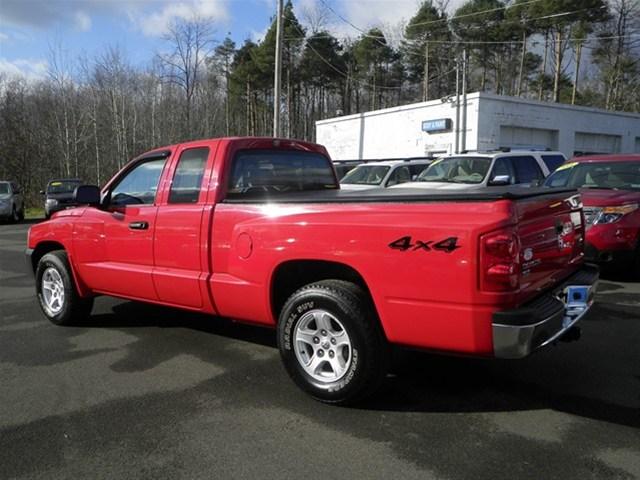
139,225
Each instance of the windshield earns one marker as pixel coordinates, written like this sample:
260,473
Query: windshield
456,170
4,188
366,175
602,175
62,186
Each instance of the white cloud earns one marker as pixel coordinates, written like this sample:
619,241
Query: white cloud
157,23
4,37
31,69
82,21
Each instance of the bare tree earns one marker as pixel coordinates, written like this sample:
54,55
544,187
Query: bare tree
191,42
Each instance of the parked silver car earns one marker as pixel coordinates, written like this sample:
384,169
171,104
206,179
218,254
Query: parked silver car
473,171
383,174
11,202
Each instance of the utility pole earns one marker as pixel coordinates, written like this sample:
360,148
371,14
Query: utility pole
426,72
464,100
457,130
277,80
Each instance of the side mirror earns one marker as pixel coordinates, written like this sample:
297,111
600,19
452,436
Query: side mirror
536,183
500,180
87,195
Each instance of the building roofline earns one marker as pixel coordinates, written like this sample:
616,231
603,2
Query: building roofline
563,106
480,96
399,108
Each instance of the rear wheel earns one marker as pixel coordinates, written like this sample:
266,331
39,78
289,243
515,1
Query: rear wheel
57,294
15,215
331,343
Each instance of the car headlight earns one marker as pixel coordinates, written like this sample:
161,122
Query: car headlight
52,202
613,214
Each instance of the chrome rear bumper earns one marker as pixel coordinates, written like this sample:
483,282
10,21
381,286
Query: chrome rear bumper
519,332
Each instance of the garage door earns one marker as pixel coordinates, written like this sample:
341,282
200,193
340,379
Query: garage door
588,143
529,138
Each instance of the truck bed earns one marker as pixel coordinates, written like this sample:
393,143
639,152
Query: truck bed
398,195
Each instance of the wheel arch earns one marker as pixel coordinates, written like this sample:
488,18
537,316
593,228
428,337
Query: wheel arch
291,275
48,246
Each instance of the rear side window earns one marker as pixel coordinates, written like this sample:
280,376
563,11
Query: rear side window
259,173
527,169
187,180
553,161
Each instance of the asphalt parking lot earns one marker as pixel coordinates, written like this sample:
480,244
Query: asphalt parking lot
147,392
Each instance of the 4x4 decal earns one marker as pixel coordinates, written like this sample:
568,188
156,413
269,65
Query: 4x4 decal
404,244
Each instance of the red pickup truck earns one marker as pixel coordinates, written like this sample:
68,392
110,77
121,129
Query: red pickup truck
257,229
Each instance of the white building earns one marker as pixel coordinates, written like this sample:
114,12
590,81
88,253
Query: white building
493,121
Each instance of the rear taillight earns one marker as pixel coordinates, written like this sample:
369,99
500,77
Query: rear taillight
499,261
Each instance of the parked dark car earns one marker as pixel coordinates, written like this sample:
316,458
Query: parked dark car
11,202
59,195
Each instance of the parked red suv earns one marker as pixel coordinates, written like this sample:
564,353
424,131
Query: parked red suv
610,187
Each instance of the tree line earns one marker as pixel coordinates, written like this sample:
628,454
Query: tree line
90,115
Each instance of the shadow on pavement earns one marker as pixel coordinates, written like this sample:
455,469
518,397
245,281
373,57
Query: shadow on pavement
419,381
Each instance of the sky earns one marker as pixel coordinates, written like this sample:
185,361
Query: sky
30,29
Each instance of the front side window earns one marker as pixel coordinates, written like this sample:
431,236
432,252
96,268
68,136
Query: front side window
527,169
553,161
366,175
187,179
4,188
255,173
470,170
502,167
139,185
399,175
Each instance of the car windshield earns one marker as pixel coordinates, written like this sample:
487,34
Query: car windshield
366,175
456,170
598,175
62,186
4,188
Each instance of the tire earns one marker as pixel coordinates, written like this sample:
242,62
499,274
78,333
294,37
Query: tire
70,308
15,216
21,214
331,343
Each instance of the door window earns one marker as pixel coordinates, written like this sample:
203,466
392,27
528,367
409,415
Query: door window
140,184
399,175
187,179
527,169
553,161
503,167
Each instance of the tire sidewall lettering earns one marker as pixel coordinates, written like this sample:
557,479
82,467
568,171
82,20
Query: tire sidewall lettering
291,321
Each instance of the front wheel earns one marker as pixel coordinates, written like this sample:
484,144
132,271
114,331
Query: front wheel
57,293
331,343
15,215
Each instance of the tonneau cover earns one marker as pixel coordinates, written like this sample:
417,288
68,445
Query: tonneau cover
399,195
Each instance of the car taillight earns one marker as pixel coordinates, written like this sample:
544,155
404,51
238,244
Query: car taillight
499,261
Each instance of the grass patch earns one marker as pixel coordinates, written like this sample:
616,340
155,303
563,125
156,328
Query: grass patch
33,213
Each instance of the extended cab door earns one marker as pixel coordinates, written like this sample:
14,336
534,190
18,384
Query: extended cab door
114,244
181,235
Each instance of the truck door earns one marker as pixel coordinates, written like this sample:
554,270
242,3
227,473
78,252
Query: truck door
181,240
114,244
